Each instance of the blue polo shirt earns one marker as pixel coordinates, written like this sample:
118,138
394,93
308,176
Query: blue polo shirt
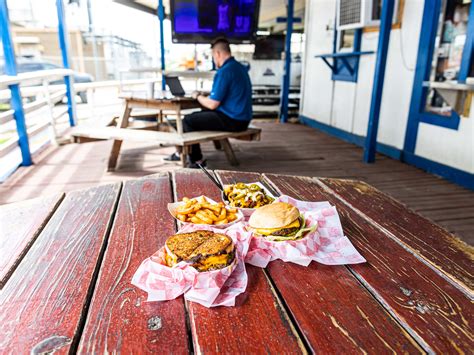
233,89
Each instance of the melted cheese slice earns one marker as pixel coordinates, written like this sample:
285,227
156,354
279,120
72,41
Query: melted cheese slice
269,231
211,261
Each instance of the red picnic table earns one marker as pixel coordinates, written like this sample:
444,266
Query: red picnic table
66,263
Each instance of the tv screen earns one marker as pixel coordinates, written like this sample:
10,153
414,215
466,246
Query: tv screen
201,21
269,47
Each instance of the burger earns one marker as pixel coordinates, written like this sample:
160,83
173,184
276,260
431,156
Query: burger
279,221
204,250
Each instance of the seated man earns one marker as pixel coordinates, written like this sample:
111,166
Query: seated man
228,107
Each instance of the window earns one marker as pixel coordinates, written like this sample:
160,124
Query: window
346,39
448,52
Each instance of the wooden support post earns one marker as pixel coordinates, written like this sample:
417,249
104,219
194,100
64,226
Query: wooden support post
217,145
122,123
229,152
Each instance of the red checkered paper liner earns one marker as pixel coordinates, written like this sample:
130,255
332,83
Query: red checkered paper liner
327,245
210,288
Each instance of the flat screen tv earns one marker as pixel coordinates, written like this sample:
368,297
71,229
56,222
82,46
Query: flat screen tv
269,47
201,21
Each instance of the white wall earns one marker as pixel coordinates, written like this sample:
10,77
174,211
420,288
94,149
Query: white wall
346,105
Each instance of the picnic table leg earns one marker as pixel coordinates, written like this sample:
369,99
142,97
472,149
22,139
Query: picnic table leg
183,154
122,123
179,123
217,145
160,117
229,152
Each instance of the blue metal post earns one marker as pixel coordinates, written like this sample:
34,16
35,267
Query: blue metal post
379,75
429,26
64,44
10,69
285,90
161,16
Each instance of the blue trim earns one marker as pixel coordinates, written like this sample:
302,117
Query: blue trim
457,176
344,54
379,76
417,114
16,99
346,65
385,149
468,51
450,122
64,44
429,27
161,17
286,76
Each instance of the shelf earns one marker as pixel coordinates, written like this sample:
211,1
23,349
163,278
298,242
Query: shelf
457,95
343,57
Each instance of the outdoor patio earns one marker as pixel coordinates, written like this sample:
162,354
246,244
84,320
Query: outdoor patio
291,149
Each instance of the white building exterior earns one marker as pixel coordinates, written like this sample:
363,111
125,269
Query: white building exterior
346,105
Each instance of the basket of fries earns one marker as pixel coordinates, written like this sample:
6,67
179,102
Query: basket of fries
203,210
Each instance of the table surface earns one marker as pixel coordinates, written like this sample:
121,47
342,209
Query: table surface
66,263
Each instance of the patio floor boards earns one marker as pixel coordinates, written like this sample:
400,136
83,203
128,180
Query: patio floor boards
284,149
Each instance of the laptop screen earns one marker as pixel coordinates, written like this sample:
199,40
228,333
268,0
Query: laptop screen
174,85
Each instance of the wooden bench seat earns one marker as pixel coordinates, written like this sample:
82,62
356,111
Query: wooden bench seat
221,139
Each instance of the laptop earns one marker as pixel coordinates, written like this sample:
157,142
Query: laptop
175,86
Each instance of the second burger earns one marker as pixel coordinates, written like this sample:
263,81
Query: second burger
279,221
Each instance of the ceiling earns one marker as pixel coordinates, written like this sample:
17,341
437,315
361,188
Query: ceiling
270,10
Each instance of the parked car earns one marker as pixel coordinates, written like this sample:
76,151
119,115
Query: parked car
24,66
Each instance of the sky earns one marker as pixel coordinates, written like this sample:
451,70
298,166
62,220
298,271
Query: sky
108,18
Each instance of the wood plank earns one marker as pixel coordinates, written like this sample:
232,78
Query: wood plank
168,138
432,310
334,312
21,223
119,318
43,303
258,323
434,244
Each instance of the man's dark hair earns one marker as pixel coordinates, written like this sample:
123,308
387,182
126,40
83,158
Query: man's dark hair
221,44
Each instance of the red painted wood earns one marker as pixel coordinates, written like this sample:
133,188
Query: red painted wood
120,320
439,315
42,303
20,225
423,237
257,324
334,312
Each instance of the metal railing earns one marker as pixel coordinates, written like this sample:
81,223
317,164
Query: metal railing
44,94
39,93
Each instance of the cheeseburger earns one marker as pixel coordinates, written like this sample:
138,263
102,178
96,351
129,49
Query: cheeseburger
205,250
279,221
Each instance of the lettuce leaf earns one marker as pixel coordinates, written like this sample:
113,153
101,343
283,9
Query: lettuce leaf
295,235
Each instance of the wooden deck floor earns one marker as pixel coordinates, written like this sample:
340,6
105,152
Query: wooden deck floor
285,149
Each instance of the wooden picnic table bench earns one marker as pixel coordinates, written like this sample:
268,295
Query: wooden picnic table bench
176,137
66,263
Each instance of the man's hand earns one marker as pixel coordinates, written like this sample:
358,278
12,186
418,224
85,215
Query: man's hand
205,101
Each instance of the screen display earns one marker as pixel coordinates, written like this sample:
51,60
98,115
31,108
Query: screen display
200,21
269,47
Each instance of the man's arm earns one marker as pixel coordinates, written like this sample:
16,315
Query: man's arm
207,102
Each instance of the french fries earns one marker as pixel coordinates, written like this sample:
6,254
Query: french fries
201,211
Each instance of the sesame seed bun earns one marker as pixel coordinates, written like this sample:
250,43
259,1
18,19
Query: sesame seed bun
275,215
